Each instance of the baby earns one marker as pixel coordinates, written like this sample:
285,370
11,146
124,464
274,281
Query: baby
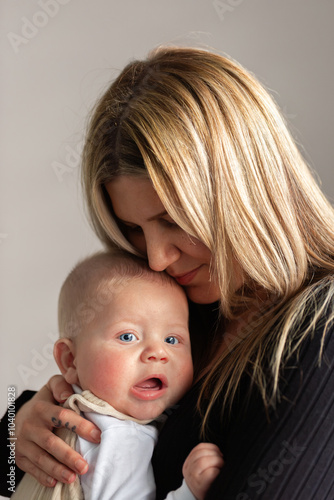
124,346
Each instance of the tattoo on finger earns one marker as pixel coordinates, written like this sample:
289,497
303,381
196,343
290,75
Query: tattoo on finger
58,423
67,425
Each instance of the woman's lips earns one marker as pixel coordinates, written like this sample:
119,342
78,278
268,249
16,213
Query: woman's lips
185,279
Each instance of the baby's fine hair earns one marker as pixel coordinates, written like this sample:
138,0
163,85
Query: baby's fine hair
91,285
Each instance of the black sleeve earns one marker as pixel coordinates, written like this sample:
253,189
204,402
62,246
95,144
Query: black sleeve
7,447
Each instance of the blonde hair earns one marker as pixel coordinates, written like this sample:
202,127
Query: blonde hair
226,169
92,284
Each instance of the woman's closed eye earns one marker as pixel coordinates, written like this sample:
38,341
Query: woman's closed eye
168,223
137,229
132,229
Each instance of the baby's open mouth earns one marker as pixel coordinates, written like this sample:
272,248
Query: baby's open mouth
152,384
150,388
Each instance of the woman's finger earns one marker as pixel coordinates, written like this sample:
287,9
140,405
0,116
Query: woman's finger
56,416
60,453
43,467
59,388
38,474
42,453
45,455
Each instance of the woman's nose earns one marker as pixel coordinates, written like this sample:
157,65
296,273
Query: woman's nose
161,253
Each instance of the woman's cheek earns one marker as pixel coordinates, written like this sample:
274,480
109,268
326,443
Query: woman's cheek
137,240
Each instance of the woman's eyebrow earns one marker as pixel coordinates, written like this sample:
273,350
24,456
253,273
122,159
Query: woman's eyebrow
161,214
154,217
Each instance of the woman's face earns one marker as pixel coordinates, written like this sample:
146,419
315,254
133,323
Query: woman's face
149,228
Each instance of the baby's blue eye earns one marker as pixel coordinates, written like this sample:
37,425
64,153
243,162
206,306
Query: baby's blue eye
171,340
127,337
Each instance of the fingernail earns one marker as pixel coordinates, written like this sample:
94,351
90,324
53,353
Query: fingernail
51,481
67,475
65,395
96,435
81,466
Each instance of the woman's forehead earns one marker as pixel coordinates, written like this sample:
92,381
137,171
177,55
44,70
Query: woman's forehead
133,197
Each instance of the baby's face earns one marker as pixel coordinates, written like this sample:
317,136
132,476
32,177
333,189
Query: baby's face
136,355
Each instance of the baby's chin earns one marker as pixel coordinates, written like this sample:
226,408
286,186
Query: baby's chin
149,411
147,414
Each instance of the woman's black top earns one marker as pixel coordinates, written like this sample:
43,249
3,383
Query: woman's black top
289,456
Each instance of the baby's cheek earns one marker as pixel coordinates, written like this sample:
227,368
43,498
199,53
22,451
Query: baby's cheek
91,370
186,375
103,377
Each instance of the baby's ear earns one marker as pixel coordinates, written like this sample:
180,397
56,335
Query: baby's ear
64,354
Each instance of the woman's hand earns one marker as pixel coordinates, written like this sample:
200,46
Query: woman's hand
39,451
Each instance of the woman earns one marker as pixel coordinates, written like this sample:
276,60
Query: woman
189,163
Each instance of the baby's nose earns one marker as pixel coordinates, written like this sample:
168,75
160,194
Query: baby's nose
154,354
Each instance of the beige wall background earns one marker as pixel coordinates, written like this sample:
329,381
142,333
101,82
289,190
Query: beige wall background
56,58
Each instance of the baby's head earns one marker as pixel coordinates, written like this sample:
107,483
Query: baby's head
124,334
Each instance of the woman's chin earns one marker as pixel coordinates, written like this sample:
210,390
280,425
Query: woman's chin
203,294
